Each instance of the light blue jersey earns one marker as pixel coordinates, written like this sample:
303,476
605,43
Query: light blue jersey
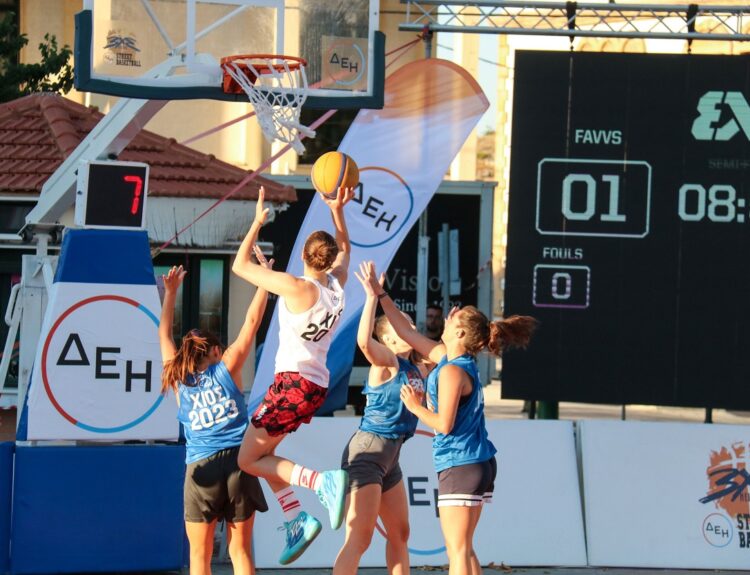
213,413
385,413
468,441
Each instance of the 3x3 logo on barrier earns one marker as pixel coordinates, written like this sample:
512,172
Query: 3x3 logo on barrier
728,477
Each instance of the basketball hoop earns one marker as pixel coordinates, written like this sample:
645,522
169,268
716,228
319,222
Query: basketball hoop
277,88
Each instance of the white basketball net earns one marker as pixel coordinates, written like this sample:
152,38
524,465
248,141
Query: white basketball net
277,96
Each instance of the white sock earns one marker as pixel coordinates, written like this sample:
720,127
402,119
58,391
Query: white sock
290,505
305,477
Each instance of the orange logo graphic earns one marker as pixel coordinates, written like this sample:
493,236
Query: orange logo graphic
729,479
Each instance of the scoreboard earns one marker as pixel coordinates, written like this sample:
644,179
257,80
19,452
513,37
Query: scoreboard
629,228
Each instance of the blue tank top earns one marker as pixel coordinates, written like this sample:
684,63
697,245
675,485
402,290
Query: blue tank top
385,413
468,441
213,413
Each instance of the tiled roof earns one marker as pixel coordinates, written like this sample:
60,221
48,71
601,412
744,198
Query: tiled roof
38,132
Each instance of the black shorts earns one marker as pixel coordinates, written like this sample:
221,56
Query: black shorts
216,488
370,458
467,485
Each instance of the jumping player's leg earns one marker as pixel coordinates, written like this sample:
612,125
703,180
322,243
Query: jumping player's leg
257,457
289,402
239,543
394,511
363,505
201,539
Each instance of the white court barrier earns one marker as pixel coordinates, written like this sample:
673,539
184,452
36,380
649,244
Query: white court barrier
535,518
666,494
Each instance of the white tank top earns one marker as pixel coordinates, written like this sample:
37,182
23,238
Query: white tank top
304,338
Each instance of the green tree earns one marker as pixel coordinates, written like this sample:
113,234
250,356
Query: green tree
52,74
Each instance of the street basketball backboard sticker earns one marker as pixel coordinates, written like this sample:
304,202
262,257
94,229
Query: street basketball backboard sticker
98,366
172,49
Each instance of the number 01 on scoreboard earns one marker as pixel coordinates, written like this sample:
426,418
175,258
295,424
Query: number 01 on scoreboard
112,195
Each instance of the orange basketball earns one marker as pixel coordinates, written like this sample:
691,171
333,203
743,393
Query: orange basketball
334,170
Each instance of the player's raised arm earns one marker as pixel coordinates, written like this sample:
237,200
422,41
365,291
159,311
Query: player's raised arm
340,267
237,353
424,345
375,352
172,282
247,268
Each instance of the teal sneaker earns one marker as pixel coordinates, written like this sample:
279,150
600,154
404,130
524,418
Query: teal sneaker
332,494
300,532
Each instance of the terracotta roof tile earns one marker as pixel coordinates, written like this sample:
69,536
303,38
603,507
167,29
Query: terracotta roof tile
38,132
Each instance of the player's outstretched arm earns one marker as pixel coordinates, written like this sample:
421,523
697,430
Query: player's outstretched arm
238,351
280,283
172,282
423,344
376,353
340,267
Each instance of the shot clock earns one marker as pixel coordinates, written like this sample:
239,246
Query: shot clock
112,195
629,229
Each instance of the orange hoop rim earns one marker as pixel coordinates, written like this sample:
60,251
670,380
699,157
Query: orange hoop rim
293,62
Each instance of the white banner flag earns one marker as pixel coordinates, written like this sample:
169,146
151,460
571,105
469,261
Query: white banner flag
403,151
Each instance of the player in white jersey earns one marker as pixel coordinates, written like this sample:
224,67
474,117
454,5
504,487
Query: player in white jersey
309,311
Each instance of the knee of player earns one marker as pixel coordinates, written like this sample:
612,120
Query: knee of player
237,548
457,547
359,539
400,533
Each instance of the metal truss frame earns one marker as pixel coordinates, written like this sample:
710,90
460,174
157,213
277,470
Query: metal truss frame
573,19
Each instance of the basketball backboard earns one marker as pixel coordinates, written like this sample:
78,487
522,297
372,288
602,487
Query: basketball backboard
172,49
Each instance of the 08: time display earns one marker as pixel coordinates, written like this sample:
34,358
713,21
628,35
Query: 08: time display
719,203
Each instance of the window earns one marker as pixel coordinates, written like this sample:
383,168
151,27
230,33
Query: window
203,298
13,217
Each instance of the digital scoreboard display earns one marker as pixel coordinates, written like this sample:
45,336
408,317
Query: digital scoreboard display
629,229
112,195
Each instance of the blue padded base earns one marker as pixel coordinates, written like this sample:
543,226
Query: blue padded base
6,489
98,509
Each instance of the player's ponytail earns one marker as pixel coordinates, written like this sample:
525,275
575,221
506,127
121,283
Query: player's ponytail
496,336
514,331
195,346
320,250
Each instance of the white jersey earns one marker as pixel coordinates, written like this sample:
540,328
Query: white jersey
304,338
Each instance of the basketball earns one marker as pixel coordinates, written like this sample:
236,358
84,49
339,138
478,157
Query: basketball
332,171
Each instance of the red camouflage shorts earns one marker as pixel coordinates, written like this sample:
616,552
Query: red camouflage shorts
290,401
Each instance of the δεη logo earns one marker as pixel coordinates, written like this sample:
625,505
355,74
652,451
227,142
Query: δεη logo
710,106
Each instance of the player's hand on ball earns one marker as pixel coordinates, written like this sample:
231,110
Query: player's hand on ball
343,197
173,278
